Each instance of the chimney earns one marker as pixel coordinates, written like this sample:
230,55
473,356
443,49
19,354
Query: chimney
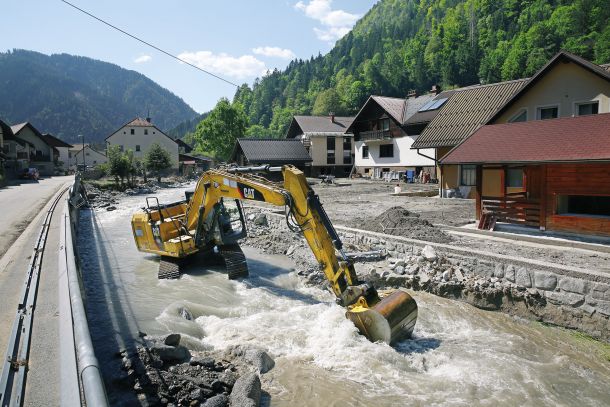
148,119
436,89
412,94
332,117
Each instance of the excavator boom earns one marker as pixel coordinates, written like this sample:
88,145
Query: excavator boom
202,224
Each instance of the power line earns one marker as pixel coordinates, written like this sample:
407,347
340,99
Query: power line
148,43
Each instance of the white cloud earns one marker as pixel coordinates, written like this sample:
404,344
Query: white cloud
223,64
274,52
142,59
337,22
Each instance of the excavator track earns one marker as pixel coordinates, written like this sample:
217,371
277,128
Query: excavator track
169,268
235,261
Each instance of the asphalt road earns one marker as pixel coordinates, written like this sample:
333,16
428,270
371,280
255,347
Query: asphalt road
22,210
19,204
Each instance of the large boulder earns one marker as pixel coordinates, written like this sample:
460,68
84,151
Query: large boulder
429,253
246,391
260,360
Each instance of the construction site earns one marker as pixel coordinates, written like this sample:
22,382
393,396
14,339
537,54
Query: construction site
492,306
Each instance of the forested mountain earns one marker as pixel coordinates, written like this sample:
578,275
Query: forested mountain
68,95
411,44
187,126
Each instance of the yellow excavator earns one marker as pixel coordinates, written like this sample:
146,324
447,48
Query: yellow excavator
207,223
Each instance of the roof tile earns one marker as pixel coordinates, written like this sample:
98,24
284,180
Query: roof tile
465,111
271,151
584,138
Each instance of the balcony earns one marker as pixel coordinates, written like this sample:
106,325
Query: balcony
375,135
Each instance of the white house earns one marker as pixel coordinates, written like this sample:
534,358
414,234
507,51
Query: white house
138,135
386,128
83,154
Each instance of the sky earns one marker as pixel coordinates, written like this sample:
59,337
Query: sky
236,39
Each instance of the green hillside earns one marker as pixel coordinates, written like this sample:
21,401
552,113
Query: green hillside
68,95
401,45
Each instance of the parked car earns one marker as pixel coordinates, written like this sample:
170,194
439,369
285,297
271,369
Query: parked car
30,173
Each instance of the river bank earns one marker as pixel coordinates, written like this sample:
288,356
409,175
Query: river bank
459,355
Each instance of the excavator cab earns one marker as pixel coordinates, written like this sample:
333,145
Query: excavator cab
230,222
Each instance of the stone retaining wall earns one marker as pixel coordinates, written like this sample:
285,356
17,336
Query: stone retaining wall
552,293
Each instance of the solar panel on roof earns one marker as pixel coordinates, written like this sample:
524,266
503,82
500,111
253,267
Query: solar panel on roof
437,103
426,106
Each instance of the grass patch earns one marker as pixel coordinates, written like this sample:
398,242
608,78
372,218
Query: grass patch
602,347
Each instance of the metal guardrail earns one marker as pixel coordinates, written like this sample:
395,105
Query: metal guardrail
89,375
15,364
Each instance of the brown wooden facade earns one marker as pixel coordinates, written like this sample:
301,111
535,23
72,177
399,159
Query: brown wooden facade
539,201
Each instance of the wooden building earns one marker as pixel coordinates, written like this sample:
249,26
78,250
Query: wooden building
551,174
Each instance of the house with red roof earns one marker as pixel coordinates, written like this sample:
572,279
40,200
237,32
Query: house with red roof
543,159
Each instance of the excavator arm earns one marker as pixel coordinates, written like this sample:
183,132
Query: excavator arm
199,225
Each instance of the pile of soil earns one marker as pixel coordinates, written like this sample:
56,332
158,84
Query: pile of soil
399,221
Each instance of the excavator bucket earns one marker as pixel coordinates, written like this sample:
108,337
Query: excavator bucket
390,320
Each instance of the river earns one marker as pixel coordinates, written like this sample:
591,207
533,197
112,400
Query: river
460,356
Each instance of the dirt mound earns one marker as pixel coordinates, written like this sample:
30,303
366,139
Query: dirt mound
398,221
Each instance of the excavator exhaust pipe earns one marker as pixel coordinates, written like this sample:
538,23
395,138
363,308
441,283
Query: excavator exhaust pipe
391,320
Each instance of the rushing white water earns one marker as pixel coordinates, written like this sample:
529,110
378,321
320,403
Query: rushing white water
460,356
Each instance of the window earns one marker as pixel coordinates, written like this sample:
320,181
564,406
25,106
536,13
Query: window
330,150
132,131
587,108
521,116
87,154
347,143
69,154
137,147
583,205
347,157
514,177
121,147
365,151
551,112
145,132
347,150
468,175
384,124
386,150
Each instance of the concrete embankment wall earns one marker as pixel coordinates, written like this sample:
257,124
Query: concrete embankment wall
562,295
82,383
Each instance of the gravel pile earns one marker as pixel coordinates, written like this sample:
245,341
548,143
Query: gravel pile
398,221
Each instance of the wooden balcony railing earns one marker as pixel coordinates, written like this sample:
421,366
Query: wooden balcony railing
512,209
375,135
